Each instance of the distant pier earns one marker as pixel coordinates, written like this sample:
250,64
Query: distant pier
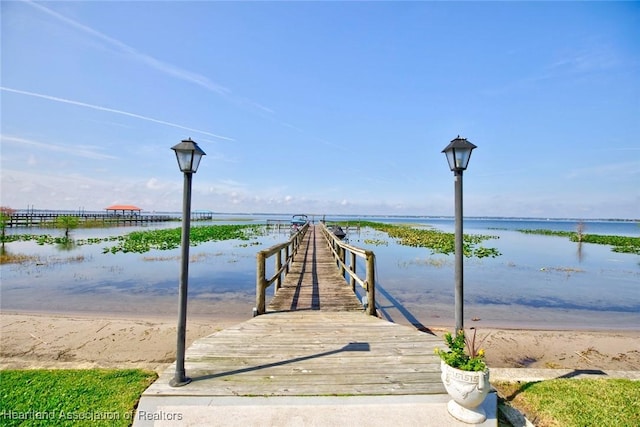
45,218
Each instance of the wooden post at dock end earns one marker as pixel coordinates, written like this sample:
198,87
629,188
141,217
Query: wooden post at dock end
261,288
371,283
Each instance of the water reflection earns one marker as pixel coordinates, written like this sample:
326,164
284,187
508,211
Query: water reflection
542,280
66,245
580,253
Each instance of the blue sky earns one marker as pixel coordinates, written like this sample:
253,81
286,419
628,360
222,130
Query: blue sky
323,107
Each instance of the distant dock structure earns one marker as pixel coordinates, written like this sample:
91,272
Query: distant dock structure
113,215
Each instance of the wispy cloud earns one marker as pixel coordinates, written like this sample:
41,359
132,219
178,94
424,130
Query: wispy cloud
80,151
164,67
596,58
566,64
620,170
111,110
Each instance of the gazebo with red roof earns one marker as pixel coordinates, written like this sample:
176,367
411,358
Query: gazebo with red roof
123,209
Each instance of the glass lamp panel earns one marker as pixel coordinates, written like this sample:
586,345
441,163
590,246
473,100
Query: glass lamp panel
196,160
185,159
451,159
462,157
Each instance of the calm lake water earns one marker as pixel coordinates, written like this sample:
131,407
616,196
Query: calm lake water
537,282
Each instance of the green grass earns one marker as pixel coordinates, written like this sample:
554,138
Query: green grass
83,397
576,402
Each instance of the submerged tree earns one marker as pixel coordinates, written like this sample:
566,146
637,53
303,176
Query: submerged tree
580,227
68,223
5,217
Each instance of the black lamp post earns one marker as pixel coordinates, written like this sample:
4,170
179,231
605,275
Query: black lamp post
188,154
458,153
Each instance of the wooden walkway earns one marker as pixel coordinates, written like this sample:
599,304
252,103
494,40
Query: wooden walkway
315,340
310,353
314,281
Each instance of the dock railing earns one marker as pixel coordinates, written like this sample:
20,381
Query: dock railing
284,253
42,218
341,251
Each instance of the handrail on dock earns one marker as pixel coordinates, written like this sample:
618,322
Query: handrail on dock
288,249
340,250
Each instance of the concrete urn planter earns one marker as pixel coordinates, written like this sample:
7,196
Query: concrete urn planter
467,390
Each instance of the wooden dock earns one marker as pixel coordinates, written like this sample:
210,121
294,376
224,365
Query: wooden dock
314,282
310,353
49,218
315,340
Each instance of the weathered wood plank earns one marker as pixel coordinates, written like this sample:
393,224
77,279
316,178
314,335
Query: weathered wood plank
315,340
334,353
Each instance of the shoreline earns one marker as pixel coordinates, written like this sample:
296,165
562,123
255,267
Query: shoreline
63,340
228,312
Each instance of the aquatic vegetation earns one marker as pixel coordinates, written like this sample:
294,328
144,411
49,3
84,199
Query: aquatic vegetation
376,242
161,258
166,239
66,260
40,239
30,260
622,244
144,241
432,262
437,241
46,239
8,258
246,245
567,270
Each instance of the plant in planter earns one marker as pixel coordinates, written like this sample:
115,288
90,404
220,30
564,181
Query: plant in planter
465,377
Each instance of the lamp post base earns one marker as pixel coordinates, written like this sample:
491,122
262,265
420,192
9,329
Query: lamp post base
179,382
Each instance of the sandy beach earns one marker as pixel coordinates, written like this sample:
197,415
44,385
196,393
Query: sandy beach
45,340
